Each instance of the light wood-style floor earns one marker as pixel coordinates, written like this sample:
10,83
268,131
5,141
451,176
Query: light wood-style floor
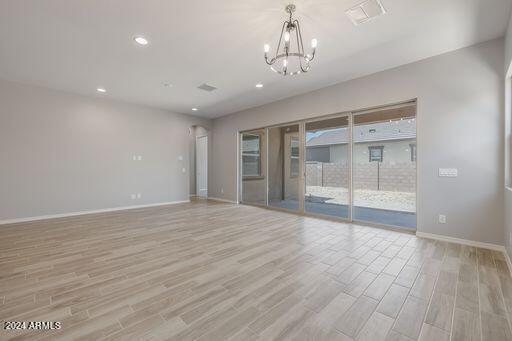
213,271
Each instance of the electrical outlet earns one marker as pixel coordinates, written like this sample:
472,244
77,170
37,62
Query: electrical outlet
139,158
139,195
183,170
133,196
442,219
134,158
180,158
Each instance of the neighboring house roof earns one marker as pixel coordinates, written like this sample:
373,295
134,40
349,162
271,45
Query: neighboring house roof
382,131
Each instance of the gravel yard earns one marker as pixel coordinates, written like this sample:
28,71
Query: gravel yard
396,201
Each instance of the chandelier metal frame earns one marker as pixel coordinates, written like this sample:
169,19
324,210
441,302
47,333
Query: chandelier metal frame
284,47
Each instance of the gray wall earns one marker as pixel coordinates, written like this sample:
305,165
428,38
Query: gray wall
508,46
460,105
65,153
507,231
507,235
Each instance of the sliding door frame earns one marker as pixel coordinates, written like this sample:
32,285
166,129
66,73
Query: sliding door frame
302,166
240,176
371,110
300,210
320,119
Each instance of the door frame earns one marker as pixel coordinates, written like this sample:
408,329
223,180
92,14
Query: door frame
206,161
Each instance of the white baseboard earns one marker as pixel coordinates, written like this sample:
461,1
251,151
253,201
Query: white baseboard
63,215
489,246
462,241
222,200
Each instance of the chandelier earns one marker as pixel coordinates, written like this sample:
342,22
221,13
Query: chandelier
290,58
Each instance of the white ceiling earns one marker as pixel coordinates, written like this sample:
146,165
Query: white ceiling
80,45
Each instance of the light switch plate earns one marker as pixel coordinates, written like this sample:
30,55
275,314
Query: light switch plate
448,172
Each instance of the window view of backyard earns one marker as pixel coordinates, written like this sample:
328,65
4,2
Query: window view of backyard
253,164
384,170
327,167
382,160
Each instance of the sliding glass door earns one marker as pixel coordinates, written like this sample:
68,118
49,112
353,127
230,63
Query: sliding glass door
253,165
284,167
384,166
328,167
357,166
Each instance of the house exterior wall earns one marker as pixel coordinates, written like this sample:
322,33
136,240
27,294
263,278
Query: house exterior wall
394,151
275,165
254,188
339,153
291,183
280,184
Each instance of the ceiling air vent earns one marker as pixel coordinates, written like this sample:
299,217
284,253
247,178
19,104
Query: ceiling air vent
365,11
207,87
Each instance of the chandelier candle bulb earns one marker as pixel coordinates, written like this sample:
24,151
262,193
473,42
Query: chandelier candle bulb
266,47
314,43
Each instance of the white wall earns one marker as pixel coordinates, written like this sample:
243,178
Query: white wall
63,153
460,105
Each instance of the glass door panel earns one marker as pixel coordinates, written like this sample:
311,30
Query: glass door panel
328,167
284,167
384,166
253,167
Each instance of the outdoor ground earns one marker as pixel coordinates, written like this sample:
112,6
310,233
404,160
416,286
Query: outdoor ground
396,201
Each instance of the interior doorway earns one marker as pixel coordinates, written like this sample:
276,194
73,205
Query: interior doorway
202,166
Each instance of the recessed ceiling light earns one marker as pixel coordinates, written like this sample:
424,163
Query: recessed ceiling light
259,85
141,40
194,109
207,87
101,90
167,85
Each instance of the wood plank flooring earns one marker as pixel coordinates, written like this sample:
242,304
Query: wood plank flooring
215,271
